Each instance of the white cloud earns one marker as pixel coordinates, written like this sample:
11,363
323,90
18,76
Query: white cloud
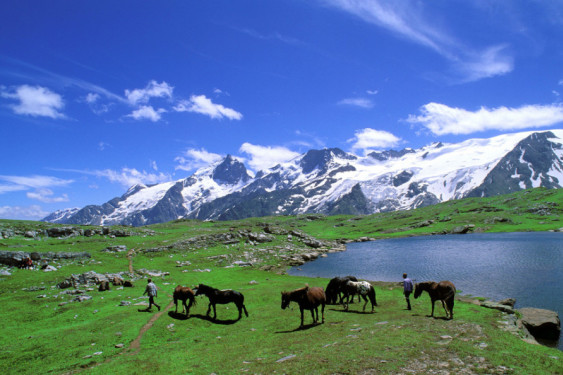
34,182
264,157
153,90
407,20
33,212
357,102
35,101
147,112
128,177
103,145
368,138
372,92
154,166
203,105
441,119
46,196
92,98
195,159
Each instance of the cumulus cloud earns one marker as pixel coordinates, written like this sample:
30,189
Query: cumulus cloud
35,101
152,90
147,112
264,157
33,212
441,119
357,102
408,20
195,159
203,105
365,139
46,196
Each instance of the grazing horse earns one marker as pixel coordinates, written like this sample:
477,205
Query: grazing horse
363,289
335,287
443,291
183,294
222,297
308,299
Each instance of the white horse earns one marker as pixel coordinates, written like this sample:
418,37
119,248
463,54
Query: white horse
363,289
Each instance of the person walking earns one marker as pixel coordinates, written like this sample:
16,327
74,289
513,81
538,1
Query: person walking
152,293
407,289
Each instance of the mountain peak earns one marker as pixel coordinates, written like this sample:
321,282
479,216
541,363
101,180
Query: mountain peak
319,158
230,171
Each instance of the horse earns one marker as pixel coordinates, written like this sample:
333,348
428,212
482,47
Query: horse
222,297
363,289
443,291
334,288
183,294
308,299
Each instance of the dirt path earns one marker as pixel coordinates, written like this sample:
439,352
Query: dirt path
135,346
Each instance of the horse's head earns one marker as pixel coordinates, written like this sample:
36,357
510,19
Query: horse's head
200,289
285,300
418,289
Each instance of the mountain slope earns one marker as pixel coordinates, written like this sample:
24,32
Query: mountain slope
331,181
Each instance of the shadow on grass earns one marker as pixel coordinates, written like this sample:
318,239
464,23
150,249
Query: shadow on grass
353,311
178,316
215,321
302,328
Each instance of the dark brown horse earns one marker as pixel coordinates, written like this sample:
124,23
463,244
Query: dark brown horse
361,288
335,287
183,293
222,297
443,291
308,299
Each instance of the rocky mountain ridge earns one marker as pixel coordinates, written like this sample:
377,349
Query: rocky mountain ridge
331,181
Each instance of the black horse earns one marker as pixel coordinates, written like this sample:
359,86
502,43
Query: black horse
308,299
222,297
335,288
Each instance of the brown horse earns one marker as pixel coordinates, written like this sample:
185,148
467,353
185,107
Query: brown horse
183,294
308,299
443,291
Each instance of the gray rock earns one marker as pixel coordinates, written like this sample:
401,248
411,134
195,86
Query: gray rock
125,303
81,298
49,268
5,273
508,302
497,306
541,323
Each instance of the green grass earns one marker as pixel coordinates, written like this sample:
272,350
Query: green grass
41,336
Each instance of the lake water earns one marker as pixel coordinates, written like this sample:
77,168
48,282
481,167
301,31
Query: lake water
526,266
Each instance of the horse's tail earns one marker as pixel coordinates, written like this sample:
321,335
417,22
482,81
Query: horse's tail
372,296
245,312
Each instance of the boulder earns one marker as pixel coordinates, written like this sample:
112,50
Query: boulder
104,285
463,229
541,323
498,306
508,302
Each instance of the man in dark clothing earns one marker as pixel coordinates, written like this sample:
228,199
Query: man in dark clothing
152,293
407,289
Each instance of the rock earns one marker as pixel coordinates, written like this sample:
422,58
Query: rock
119,346
497,306
104,285
541,323
125,303
508,302
12,258
49,268
115,249
29,234
5,273
127,284
81,298
463,229
64,284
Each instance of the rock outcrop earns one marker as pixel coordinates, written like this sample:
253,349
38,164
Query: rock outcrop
541,323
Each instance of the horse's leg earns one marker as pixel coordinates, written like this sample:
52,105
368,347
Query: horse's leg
432,314
189,307
208,309
214,311
185,307
366,301
239,307
176,303
450,304
323,312
301,308
313,310
445,309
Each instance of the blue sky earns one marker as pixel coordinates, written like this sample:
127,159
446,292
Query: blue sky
96,96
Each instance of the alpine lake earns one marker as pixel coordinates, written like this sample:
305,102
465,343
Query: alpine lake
527,266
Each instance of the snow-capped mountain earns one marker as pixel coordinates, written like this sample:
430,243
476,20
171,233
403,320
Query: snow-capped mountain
331,181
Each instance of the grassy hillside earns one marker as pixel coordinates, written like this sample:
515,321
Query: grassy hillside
44,332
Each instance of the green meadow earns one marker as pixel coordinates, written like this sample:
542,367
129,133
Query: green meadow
43,331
